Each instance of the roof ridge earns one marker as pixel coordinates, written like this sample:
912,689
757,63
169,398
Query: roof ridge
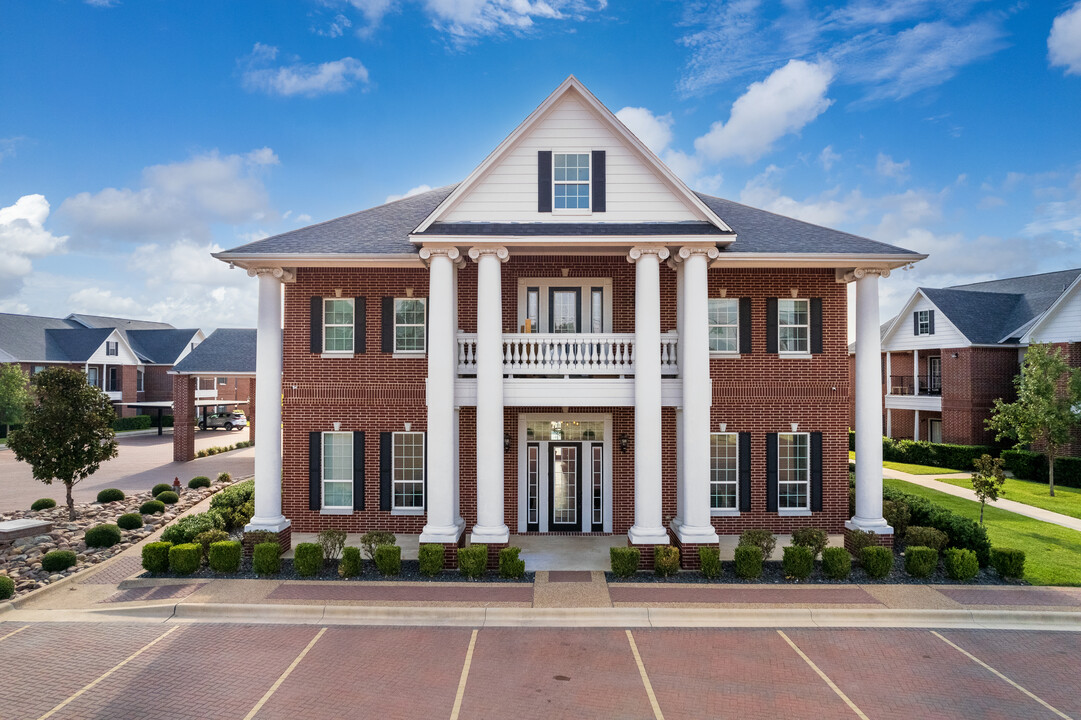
1013,277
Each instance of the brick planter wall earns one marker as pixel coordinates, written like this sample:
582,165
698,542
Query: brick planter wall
882,540
285,541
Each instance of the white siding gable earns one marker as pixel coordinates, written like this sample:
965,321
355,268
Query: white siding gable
903,336
1063,324
507,192
124,354
197,338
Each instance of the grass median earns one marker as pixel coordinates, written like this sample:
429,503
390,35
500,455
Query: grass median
1052,552
1067,500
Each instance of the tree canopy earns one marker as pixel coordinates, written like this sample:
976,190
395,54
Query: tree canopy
13,394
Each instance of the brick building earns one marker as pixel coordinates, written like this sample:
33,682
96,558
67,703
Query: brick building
568,341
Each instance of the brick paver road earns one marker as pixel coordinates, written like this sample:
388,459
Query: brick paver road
210,671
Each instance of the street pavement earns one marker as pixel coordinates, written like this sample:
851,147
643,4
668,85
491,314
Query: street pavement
142,462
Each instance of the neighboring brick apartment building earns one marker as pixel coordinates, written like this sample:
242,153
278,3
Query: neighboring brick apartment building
952,351
568,341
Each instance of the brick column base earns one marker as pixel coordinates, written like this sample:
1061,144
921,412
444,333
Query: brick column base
688,554
493,555
645,557
882,540
284,538
183,418
450,553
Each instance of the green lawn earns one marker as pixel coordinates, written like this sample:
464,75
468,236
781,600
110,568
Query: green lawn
1052,552
1067,501
918,469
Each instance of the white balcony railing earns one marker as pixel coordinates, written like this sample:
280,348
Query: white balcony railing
526,354
204,394
114,395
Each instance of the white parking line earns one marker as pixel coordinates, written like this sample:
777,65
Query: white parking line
833,685
984,665
281,679
13,632
645,678
465,676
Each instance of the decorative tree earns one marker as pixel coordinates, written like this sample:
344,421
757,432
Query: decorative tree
68,429
988,480
1047,406
13,394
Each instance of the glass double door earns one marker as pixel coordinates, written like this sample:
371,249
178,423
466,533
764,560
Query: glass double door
564,486
571,481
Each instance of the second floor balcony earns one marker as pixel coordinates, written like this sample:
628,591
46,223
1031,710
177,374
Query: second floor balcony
908,385
568,355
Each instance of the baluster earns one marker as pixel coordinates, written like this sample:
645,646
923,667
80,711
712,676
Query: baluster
461,352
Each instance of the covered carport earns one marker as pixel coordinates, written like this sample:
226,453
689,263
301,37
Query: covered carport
226,352
156,409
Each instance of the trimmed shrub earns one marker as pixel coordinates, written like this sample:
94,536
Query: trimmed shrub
156,557
798,562
877,561
836,563
7,587
859,539
624,561
369,541
332,542
168,497
709,560
748,561
224,556
186,558
223,477
308,559
187,528
945,455
205,539
961,564
160,488
665,560
921,561
351,563
235,504
266,558
961,531
43,504
129,521
897,515
110,495
926,537
102,536
1008,563
473,561
510,566
199,481
388,559
152,506
57,560
139,422
431,557
814,539
761,539
1030,465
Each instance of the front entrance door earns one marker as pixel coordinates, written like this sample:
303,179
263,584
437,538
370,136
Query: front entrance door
565,310
565,486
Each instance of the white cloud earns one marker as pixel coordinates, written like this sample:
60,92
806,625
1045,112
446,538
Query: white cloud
887,168
1059,216
182,198
408,193
23,237
828,158
8,145
653,130
306,79
1064,42
95,301
783,103
102,3
828,208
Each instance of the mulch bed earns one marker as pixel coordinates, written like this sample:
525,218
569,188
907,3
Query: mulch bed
410,572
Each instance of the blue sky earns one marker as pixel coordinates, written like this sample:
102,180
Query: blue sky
136,137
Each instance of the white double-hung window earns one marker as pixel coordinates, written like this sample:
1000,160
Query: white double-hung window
570,181
723,471
338,325
793,326
407,470
724,325
793,471
337,470
409,318
923,322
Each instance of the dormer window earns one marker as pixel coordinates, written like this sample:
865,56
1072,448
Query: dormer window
112,347
570,179
924,322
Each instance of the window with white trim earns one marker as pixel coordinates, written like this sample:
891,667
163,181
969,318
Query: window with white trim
723,471
724,325
793,326
570,181
923,322
112,347
793,471
338,470
139,379
409,317
338,325
222,381
407,470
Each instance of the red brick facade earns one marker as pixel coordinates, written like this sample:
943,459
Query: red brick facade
183,418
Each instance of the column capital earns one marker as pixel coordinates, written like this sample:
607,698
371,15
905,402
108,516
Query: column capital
686,251
427,253
639,251
862,272
477,251
286,276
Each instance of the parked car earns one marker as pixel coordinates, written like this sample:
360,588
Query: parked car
227,420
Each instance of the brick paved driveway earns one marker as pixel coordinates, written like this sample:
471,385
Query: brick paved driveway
121,670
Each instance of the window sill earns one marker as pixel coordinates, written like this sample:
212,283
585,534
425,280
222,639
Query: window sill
407,511
795,356
398,355
724,513
336,511
794,513
724,356
572,211
342,355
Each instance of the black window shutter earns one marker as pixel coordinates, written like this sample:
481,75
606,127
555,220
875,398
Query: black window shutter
744,472
916,323
358,470
360,325
315,470
544,181
316,321
771,325
816,326
388,324
745,327
771,472
931,322
385,440
599,182
816,472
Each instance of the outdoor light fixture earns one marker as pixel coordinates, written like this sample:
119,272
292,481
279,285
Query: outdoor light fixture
954,355
506,442
624,441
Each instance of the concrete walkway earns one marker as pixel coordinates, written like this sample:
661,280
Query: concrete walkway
1002,503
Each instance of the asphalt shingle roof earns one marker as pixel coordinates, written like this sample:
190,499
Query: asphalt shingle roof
31,338
74,344
162,347
226,351
23,336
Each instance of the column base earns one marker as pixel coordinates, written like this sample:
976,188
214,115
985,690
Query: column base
645,554
268,524
443,534
252,537
688,553
450,553
495,535
647,536
693,534
883,534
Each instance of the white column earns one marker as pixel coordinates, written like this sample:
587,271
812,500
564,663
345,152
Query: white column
268,398
868,405
648,526
889,423
889,374
444,523
692,522
681,477
916,425
490,527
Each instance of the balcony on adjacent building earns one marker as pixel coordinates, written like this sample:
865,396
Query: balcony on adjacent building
907,392
563,355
